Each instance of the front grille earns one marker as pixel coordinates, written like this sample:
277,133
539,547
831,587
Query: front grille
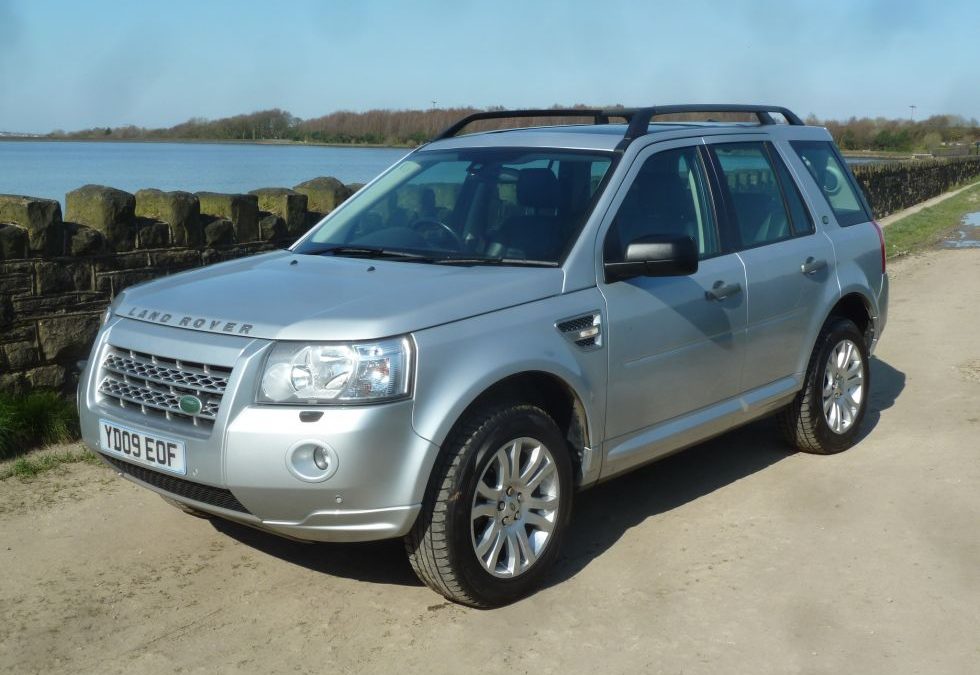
178,486
154,385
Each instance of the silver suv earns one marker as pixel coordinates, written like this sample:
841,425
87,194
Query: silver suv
497,321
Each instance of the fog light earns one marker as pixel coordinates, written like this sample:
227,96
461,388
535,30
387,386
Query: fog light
320,459
311,460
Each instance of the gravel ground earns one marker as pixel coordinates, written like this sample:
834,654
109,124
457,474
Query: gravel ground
734,556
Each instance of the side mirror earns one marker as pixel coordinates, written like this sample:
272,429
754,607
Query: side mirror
655,256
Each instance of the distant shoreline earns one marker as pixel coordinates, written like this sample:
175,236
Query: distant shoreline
208,141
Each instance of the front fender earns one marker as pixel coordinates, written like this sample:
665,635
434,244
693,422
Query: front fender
459,361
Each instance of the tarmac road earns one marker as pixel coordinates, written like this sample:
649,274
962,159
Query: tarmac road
734,556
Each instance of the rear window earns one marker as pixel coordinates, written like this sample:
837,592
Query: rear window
835,181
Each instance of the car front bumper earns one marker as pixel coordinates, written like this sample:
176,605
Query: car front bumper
379,465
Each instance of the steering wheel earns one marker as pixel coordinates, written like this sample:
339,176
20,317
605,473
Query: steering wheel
440,227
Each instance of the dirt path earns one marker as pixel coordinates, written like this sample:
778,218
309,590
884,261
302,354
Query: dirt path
731,557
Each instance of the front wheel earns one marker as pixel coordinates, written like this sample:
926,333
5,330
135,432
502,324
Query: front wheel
496,509
826,414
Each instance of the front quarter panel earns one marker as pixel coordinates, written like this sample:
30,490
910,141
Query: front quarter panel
457,362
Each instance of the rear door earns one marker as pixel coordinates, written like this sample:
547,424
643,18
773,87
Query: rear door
675,344
789,265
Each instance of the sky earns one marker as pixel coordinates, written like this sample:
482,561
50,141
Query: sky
72,65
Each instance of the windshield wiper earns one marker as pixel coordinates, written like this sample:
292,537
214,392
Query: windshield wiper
368,252
450,260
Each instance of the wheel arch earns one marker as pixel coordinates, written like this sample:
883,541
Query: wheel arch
558,398
858,308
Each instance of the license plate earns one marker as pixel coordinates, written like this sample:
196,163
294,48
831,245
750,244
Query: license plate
143,447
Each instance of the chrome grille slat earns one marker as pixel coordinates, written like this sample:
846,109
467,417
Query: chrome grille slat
178,376
154,385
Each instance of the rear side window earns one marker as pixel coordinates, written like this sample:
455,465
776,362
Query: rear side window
802,220
756,199
835,181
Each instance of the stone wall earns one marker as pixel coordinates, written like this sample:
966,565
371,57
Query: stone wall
894,186
58,274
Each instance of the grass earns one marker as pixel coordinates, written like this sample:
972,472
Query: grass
927,227
32,465
35,419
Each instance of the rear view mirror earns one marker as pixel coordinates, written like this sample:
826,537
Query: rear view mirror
655,256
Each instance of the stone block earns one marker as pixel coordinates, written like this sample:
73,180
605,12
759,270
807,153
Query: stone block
108,210
55,277
13,242
13,383
31,307
354,187
49,242
241,210
86,241
211,255
325,193
220,233
122,261
31,213
111,283
66,338
20,355
16,283
20,267
46,377
272,228
7,314
287,204
19,333
181,210
152,234
174,260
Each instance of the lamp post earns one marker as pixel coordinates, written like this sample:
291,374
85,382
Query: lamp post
912,113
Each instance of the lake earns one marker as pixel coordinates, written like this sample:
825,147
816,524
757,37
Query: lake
52,168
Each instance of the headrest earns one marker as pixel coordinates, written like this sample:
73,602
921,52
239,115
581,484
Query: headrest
537,188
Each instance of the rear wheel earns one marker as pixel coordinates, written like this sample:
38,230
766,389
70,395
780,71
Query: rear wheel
496,509
826,415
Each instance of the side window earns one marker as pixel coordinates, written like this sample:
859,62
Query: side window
834,180
669,196
757,202
800,215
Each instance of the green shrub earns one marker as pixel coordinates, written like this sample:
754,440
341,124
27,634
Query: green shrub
37,418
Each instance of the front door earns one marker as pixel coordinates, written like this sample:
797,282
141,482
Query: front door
675,344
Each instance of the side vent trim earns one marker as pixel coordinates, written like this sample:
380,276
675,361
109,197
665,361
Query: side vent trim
583,330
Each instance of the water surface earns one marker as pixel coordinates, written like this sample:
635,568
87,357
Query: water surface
52,168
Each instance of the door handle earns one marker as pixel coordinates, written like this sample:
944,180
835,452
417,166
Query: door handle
720,290
811,265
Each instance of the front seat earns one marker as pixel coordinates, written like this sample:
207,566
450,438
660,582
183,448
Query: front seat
534,235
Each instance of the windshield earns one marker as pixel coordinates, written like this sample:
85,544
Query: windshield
508,206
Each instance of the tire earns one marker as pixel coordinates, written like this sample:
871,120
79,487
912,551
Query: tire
453,543
805,424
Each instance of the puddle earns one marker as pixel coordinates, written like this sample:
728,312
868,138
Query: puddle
968,236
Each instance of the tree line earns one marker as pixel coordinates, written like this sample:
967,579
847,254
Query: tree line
943,134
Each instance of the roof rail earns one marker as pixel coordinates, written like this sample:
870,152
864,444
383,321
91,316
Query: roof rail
638,119
598,117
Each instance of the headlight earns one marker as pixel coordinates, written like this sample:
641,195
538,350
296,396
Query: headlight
361,372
